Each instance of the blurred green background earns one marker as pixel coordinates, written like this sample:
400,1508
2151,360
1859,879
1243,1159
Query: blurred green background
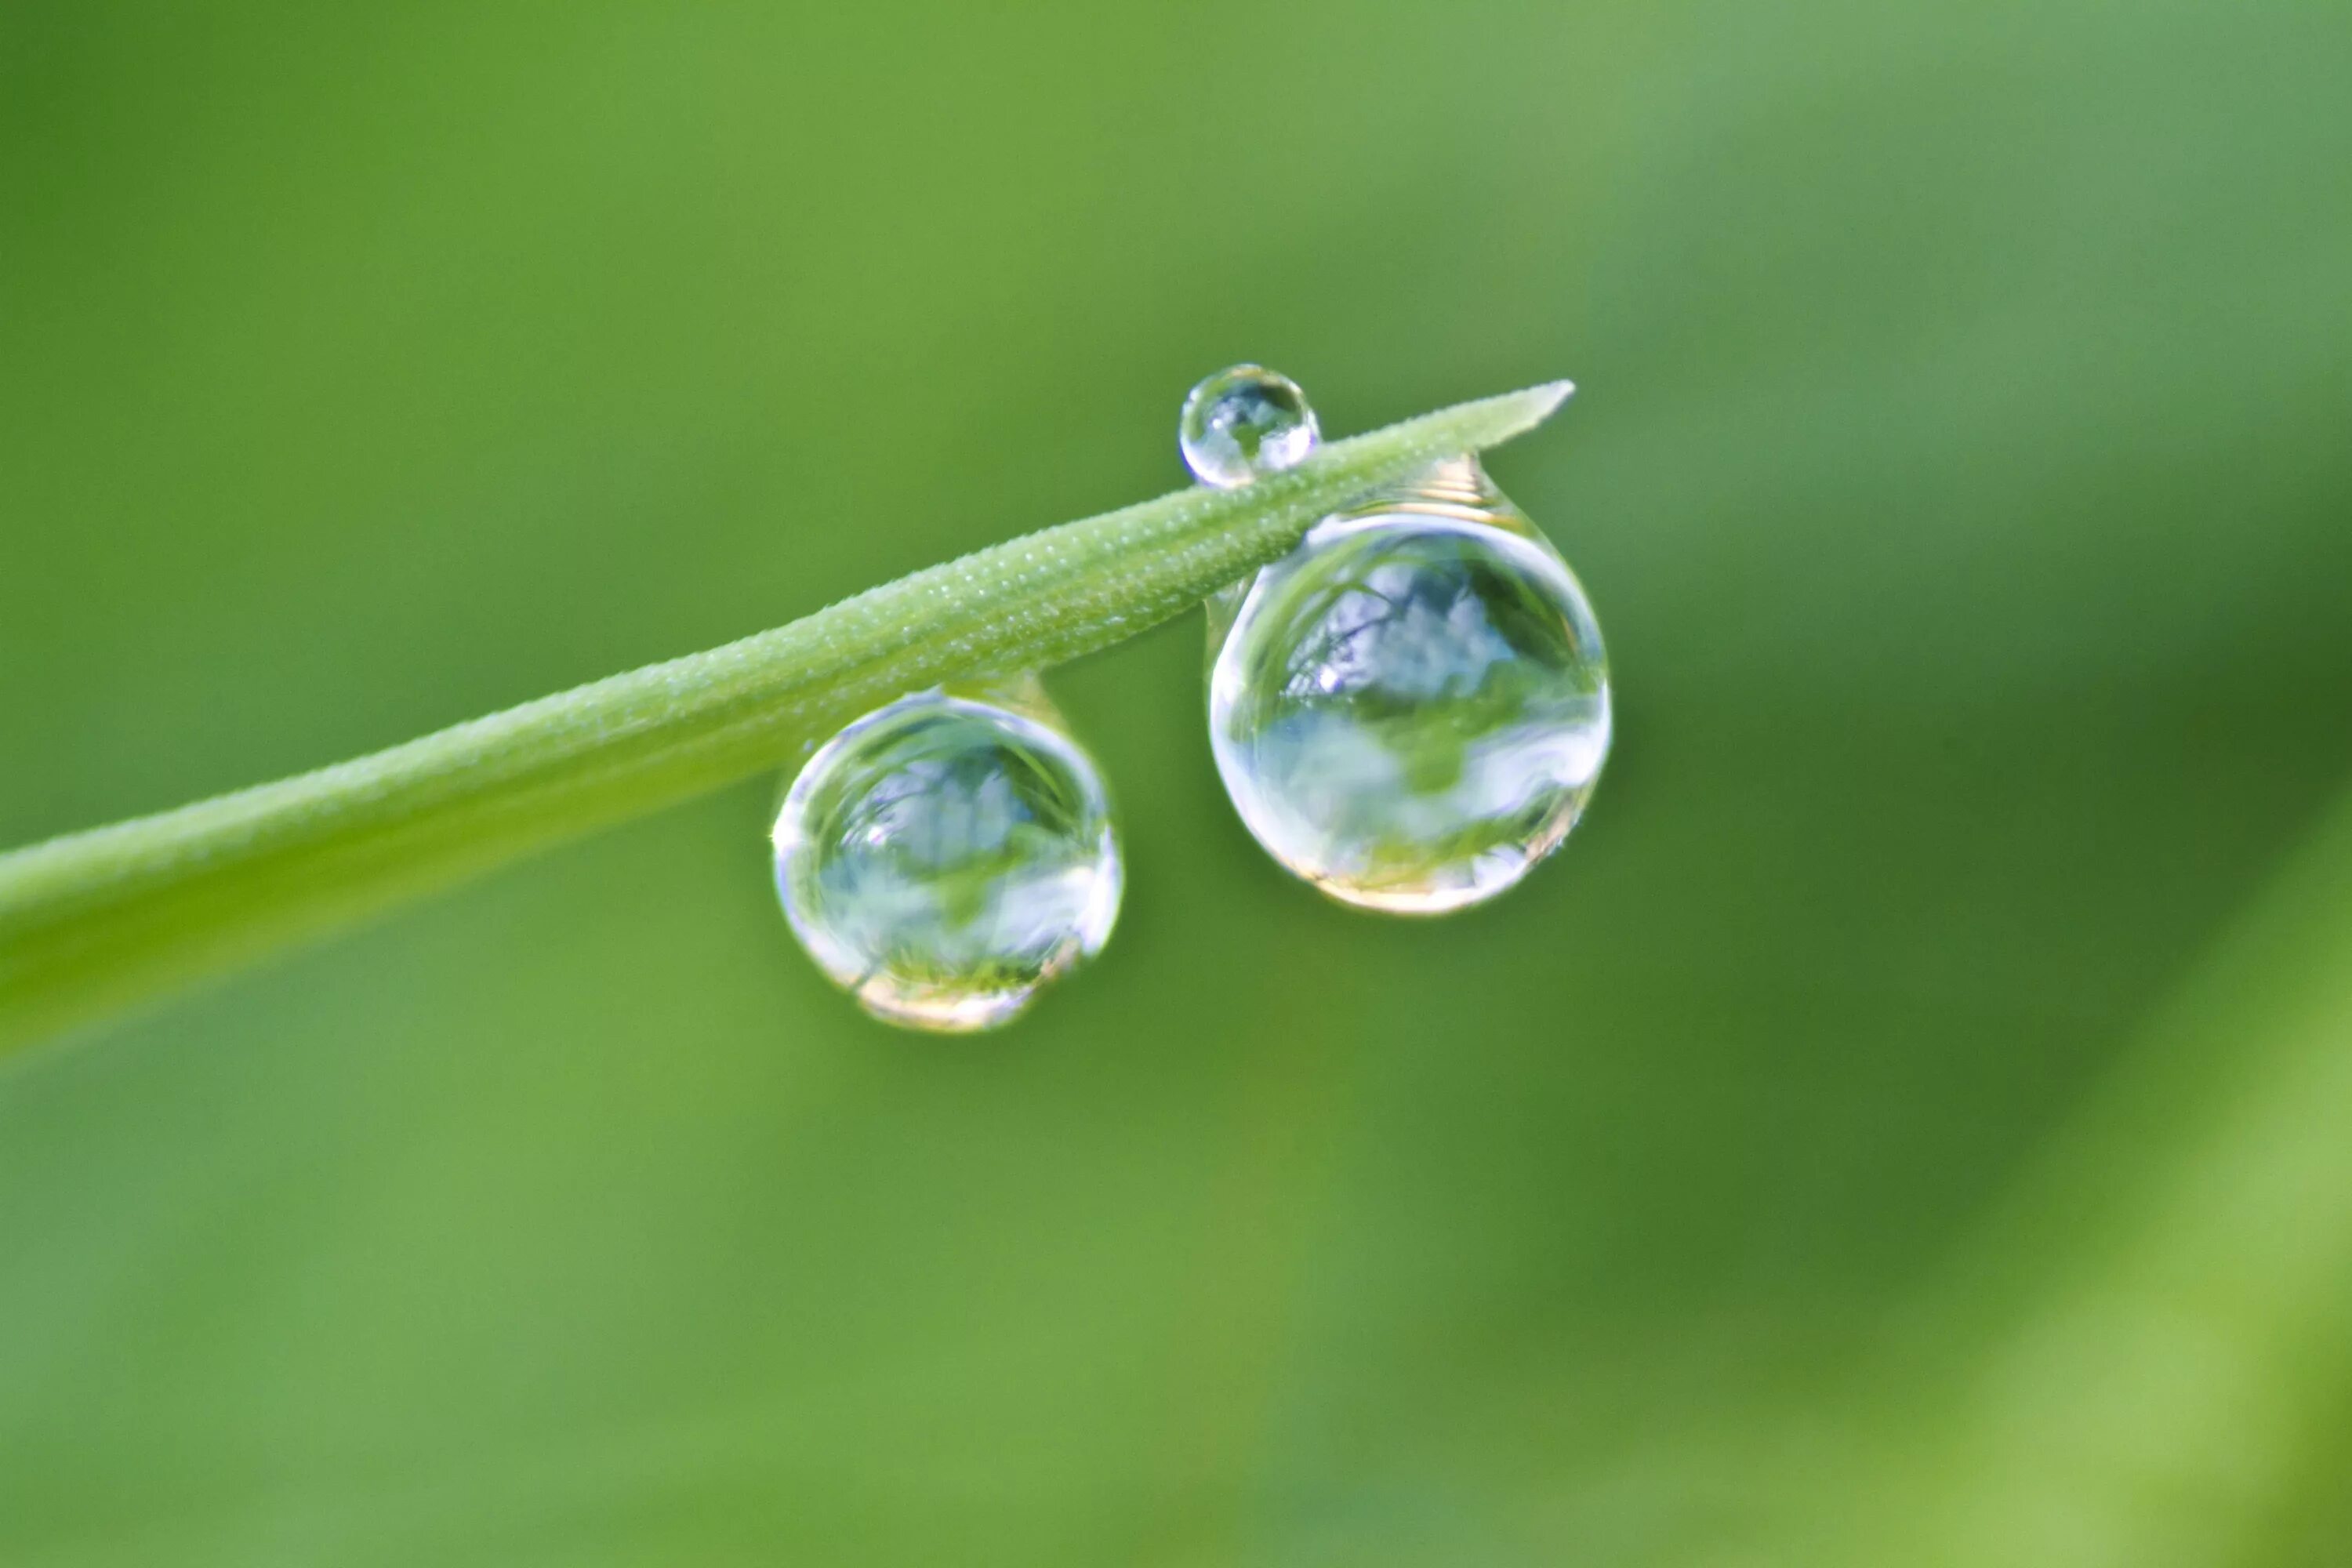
1911,1122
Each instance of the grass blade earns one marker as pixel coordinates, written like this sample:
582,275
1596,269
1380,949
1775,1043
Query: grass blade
97,921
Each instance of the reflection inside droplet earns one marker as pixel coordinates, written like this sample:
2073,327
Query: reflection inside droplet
945,856
1243,422
1410,708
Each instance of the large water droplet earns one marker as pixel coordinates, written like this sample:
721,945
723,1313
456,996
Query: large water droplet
945,856
1410,710
1243,422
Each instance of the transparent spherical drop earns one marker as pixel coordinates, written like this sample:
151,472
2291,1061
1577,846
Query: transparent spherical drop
1410,708
1243,422
945,856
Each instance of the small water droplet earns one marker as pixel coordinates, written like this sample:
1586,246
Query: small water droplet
947,856
1243,422
1410,708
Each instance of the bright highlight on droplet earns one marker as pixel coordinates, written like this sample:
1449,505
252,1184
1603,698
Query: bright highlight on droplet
944,857
1410,708
1243,422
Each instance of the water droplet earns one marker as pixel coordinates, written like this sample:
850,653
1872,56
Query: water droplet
1243,422
945,856
1410,708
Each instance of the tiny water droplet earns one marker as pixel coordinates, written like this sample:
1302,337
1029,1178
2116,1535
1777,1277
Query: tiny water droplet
1410,708
947,856
1243,422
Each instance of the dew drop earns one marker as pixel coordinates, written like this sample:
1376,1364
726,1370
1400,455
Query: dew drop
1410,708
1243,422
947,856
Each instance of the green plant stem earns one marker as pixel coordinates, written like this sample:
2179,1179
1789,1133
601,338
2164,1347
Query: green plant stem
98,921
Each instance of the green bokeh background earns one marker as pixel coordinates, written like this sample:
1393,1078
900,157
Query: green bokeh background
1911,1122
